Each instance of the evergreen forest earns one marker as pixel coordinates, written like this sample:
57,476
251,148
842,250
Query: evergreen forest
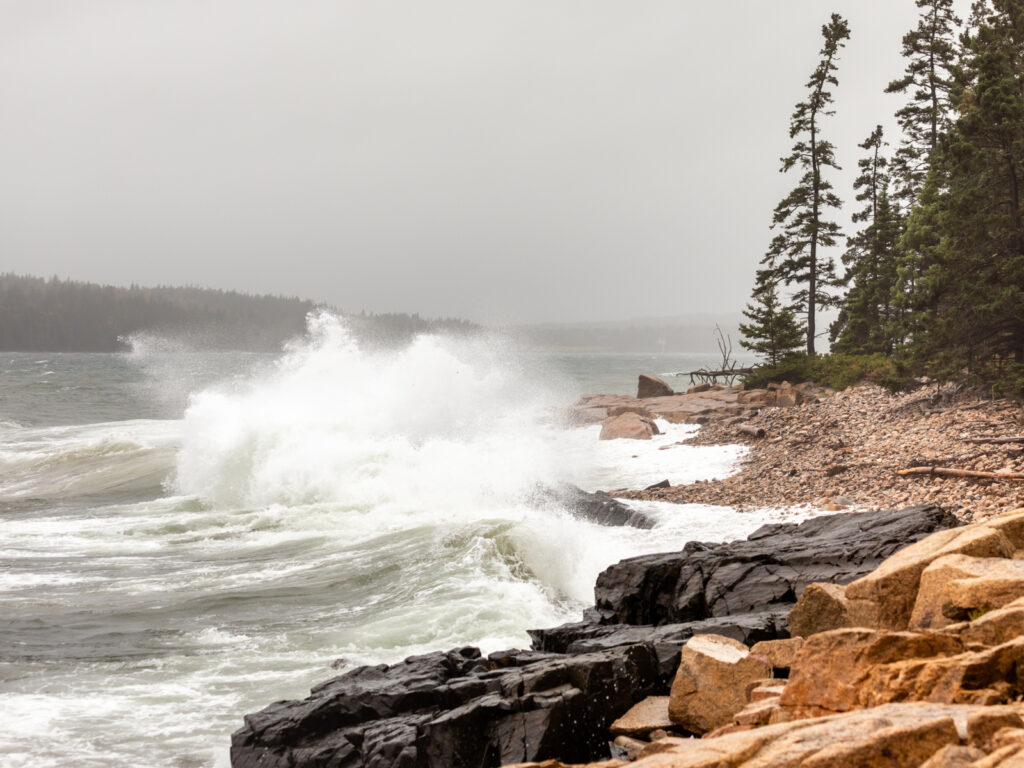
54,315
932,279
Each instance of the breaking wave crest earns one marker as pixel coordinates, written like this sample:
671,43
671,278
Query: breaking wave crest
443,424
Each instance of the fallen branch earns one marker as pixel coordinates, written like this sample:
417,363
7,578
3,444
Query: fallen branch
747,429
947,472
710,377
996,440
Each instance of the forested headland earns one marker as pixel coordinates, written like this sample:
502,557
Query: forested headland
54,315
933,278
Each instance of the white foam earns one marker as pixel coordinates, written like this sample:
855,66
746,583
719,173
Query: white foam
342,502
438,425
55,462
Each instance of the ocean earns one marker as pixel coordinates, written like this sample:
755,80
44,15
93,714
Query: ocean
186,537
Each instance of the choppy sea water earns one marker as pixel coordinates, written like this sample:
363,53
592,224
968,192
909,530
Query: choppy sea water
186,537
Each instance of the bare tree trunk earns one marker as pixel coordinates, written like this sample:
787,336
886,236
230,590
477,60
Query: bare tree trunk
812,283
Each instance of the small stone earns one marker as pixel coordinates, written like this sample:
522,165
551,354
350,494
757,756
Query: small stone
632,747
651,714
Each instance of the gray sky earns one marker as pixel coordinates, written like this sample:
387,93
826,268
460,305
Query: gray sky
510,161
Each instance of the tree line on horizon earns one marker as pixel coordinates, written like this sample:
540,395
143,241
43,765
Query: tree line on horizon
934,276
54,315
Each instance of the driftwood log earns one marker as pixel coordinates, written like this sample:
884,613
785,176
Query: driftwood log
996,440
748,429
949,472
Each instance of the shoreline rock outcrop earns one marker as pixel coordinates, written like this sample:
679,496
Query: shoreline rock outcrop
892,689
454,709
770,568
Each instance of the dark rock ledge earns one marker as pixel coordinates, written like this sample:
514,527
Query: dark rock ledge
458,709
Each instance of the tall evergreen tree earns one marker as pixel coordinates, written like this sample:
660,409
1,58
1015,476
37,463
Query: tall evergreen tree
871,259
969,228
794,255
931,52
773,331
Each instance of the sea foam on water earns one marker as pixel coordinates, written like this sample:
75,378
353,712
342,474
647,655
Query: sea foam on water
340,501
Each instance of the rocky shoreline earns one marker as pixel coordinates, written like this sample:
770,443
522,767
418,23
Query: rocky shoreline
844,450
872,638
559,699
918,663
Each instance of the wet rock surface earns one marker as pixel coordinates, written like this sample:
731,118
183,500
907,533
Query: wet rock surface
769,569
453,709
459,709
598,507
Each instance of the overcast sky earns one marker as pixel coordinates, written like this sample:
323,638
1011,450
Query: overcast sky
513,161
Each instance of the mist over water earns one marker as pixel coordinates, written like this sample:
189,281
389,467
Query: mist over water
164,572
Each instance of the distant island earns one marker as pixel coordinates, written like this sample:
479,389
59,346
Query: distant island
55,315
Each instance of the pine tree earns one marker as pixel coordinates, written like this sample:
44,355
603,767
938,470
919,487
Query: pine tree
931,52
794,255
968,231
872,259
773,331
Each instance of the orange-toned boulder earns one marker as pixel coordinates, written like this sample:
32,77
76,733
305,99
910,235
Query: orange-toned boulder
958,587
855,668
895,735
786,399
889,736
780,653
711,683
651,714
821,607
1011,524
991,629
886,596
832,670
630,426
756,398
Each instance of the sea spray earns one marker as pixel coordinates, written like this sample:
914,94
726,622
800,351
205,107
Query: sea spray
335,505
440,424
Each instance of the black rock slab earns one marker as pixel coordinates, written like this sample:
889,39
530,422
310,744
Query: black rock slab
600,507
454,709
767,570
